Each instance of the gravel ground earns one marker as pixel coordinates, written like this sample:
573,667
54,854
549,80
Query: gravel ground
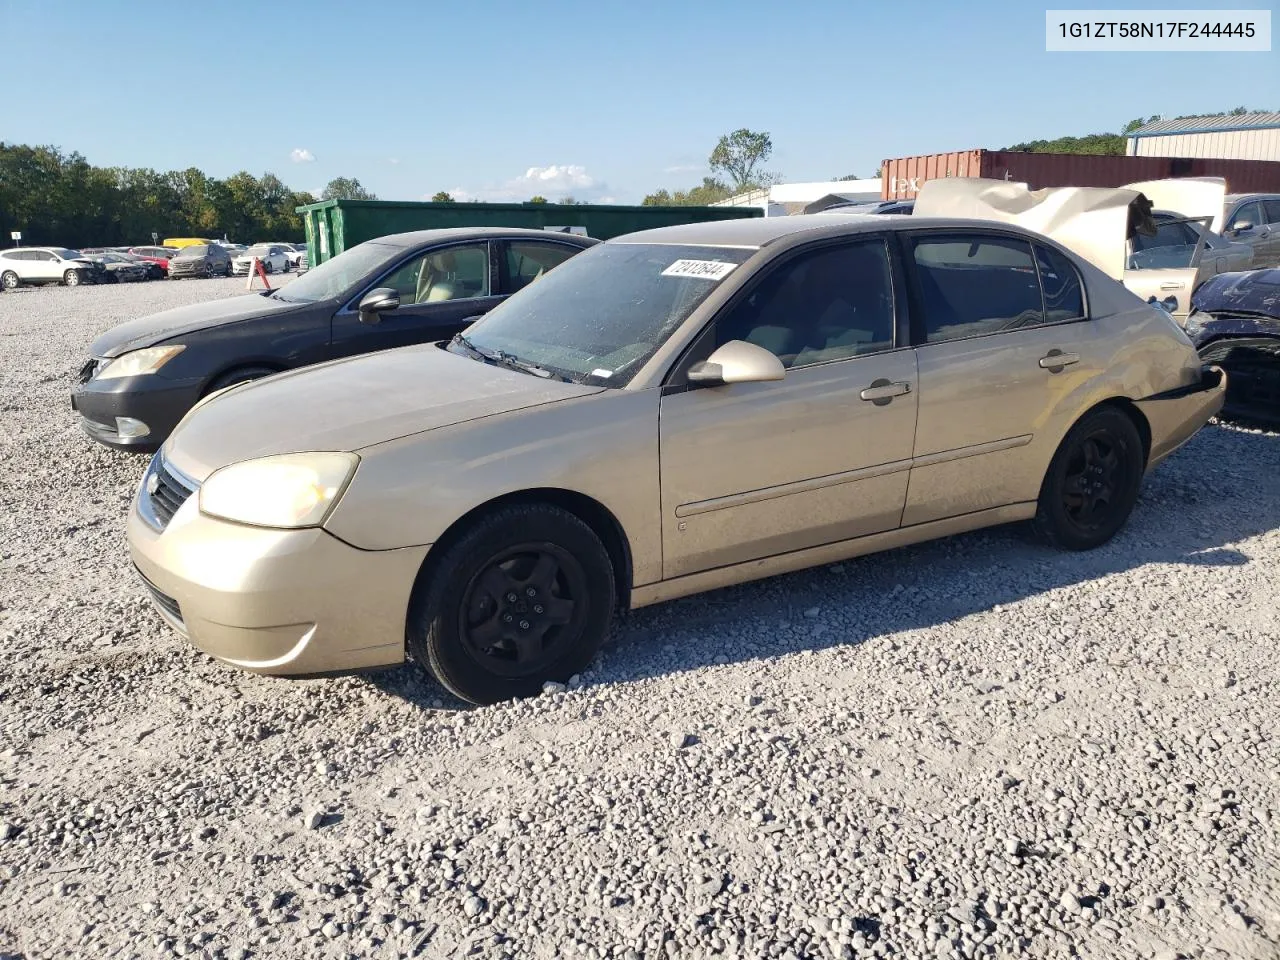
976,747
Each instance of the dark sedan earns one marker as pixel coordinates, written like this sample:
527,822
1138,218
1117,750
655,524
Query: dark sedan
1235,323
144,375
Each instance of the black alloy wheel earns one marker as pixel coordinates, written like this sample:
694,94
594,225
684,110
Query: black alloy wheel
524,596
1092,482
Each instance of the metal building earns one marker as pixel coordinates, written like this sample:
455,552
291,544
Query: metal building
1245,136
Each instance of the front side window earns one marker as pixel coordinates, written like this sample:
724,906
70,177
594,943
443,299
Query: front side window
1249,215
976,285
454,273
528,261
827,304
1272,209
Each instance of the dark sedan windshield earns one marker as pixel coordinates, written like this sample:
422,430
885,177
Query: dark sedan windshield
335,277
602,314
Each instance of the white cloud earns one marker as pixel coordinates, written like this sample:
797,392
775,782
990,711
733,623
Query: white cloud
393,160
301,155
554,182
684,168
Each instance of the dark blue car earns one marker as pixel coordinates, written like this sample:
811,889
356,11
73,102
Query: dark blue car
1235,323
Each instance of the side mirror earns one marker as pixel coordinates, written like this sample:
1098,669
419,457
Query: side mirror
737,362
378,301
1242,226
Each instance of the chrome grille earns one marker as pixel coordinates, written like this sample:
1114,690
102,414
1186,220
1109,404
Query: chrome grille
164,490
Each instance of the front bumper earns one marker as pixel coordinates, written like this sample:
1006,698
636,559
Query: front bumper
282,602
157,402
1176,415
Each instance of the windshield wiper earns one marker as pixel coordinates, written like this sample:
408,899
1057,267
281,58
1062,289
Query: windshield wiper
501,358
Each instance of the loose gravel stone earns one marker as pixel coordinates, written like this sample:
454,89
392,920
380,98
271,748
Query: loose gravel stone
978,747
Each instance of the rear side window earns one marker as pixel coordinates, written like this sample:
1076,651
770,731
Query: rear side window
976,285
1063,296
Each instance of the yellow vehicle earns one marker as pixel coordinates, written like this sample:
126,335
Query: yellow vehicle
179,242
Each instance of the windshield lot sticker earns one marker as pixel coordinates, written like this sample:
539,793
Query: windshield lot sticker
701,269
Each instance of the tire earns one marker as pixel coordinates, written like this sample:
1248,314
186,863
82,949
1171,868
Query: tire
9,280
464,623
239,375
1092,482
71,278
266,265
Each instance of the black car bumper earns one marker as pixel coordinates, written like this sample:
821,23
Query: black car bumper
149,400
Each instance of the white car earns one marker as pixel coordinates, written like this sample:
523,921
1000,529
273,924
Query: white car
297,254
273,256
36,265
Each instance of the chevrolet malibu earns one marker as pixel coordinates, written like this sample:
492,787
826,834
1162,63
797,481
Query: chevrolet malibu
669,412
144,375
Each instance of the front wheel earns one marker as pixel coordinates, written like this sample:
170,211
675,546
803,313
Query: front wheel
71,278
1092,482
526,596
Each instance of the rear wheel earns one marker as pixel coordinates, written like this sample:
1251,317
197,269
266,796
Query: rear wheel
1092,482
9,279
526,596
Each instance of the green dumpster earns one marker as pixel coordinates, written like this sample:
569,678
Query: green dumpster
334,225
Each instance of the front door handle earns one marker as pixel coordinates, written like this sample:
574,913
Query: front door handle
883,391
1055,360
1172,285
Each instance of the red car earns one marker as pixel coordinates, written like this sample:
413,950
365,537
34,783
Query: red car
160,256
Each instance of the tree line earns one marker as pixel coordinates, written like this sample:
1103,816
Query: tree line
1110,144
56,198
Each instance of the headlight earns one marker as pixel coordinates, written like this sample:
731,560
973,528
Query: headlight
292,490
138,362
1192,325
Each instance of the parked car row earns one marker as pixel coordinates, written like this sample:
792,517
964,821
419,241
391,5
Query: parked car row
485,497
195,258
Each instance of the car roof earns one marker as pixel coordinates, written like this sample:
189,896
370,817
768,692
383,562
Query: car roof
761,231
415,237
1234,197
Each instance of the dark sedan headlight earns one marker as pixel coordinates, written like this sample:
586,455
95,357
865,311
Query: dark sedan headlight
1193,325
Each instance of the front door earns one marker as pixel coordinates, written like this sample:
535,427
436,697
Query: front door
439,289
1003,348
757,469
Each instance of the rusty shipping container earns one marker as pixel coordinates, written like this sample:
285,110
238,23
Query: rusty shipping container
901,178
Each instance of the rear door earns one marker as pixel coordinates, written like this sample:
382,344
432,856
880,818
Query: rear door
441,288
1166,269
1003,344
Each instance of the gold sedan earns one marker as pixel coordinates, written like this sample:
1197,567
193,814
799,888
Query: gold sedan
669,412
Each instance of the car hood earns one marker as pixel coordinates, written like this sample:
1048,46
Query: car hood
346,405
1255,291
150,330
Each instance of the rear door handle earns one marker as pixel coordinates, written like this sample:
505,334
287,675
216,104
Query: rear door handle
883,391
1055,360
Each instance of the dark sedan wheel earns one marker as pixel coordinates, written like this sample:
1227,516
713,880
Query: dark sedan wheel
1092,482
524,597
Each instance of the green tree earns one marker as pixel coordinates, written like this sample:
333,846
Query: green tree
708,192
739,156
440,196
346,188
538,199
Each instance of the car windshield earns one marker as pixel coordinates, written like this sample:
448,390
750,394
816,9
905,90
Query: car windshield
192,253
335,277
602,314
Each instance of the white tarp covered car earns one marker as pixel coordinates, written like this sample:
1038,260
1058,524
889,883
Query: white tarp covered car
1159,259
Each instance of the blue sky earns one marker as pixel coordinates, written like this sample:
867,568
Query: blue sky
604,100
